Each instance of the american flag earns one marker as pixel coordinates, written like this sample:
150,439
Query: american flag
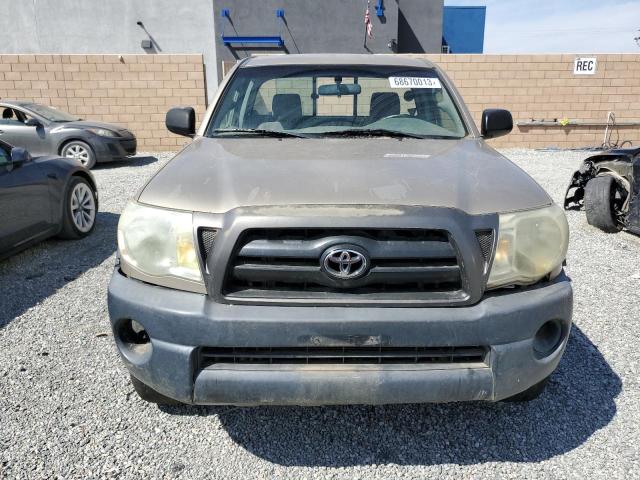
367,21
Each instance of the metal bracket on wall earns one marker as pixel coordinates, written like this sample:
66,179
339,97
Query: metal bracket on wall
572,123
230,40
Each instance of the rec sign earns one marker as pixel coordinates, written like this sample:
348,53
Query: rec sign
585,66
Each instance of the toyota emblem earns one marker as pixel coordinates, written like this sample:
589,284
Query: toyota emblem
345,262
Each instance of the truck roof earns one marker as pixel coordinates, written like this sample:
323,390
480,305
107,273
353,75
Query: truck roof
337,59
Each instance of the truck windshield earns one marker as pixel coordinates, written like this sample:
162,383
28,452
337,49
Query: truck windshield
303,101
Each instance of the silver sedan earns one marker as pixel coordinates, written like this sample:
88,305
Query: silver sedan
48,131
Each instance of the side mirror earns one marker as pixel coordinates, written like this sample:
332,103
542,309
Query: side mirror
19,156
496,122
181,120
32,122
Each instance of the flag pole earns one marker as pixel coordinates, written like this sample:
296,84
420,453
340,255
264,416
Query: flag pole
365,26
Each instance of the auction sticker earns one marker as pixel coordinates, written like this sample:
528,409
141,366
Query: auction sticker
414,82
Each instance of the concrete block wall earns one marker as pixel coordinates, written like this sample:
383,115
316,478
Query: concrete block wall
544,87
137,90
134,91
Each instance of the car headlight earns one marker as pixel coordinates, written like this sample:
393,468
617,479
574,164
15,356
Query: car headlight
103,132
157,245
531,245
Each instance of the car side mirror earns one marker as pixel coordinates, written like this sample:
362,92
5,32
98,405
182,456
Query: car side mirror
19,156
182,121
32,122
496,123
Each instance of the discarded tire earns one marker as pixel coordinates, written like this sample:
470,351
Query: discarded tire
599,203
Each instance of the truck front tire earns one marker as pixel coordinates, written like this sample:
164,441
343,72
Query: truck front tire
530,393
150,395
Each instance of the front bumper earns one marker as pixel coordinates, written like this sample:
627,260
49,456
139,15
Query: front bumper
179,323
109,149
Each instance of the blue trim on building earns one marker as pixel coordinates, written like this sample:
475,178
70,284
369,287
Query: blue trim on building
230,40
463,29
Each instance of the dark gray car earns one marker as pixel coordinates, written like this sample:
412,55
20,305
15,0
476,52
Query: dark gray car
42,197
45,130
339,232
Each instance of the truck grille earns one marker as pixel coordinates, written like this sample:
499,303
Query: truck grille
402,264
206,240
341,355
485,240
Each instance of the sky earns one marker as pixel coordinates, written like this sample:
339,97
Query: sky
559,26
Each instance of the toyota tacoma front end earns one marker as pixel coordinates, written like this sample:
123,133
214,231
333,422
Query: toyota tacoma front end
339,233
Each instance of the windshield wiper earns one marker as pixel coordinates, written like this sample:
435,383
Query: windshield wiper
376,132
260,131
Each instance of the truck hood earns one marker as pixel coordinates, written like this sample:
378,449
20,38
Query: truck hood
217,175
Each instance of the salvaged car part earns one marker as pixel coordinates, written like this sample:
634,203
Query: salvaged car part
607,186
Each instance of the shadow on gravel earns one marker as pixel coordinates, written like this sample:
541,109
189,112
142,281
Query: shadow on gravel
130,162
579,401
31,276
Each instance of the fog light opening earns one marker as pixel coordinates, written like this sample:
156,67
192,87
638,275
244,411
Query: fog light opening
547,339
133,332
134,340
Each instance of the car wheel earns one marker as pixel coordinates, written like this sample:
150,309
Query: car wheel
80,151
80,209
530,393
600,196
148,394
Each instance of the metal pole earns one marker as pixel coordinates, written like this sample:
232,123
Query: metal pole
365,25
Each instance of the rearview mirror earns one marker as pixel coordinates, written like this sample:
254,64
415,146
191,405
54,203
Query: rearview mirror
339,89
19,156
182,121
32,122
496,123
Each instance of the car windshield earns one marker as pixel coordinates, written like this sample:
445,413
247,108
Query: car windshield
50,113
303,101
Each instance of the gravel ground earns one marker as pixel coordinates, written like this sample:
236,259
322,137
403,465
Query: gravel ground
67,408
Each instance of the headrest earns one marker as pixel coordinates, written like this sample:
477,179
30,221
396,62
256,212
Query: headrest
384,104
287,109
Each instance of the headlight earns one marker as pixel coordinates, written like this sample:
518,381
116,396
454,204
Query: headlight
103,132
157,245
531,244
